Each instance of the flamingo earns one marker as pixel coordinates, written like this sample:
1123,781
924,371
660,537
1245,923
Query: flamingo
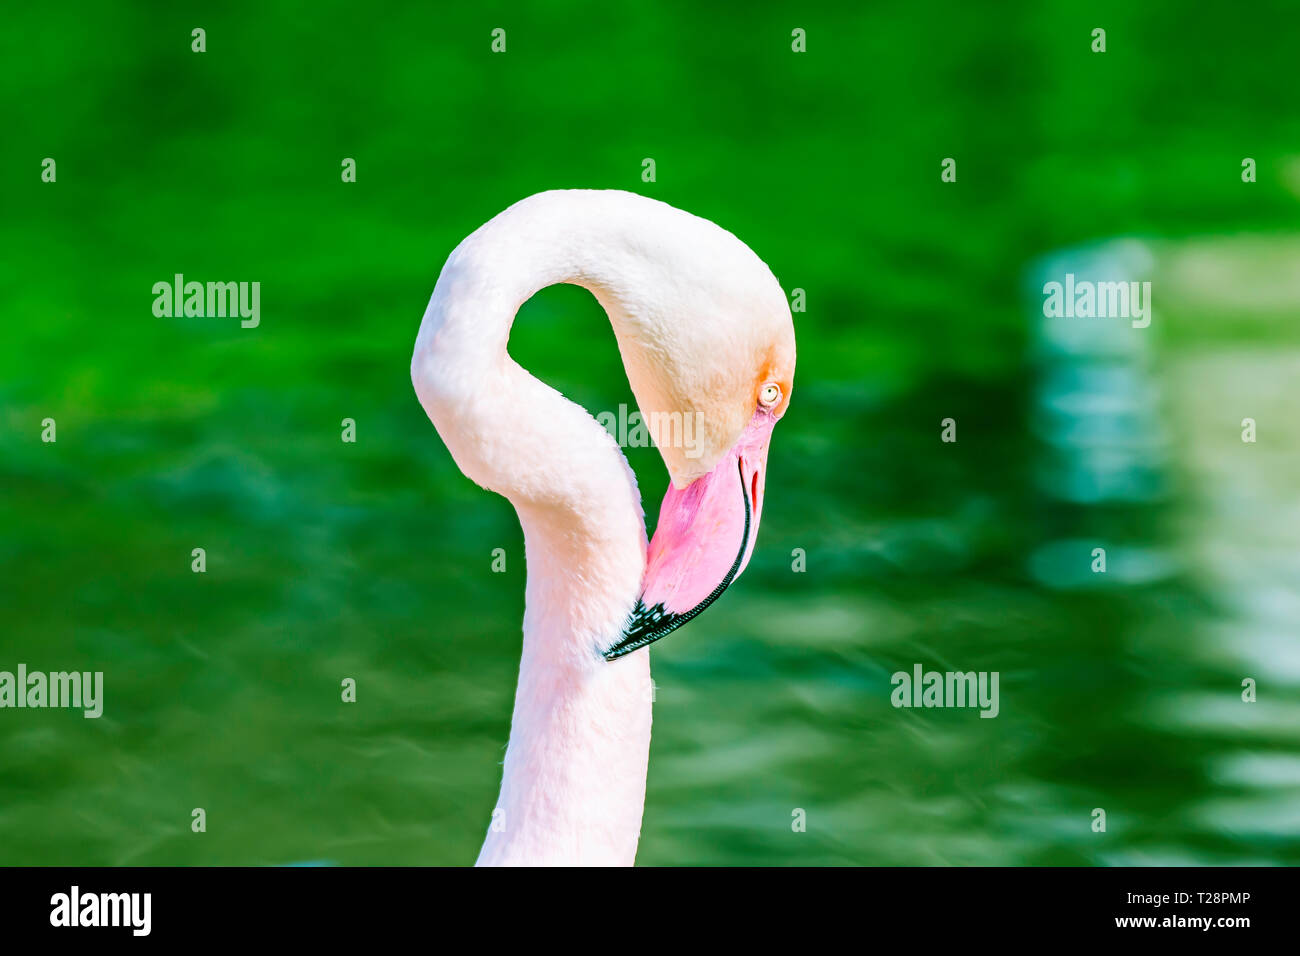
705,335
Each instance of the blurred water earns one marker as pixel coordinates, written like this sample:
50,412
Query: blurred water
372,561
223,689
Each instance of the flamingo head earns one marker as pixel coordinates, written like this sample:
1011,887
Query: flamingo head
712,378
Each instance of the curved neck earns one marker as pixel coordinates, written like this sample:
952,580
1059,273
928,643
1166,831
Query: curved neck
573,785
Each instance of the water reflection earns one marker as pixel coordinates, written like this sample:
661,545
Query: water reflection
1184,521
1096,415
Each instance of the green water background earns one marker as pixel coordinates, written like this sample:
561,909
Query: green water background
372,560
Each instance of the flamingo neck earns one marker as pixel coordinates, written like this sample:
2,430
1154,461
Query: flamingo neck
573,783
573,786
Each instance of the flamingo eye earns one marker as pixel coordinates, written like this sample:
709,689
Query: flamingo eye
770,395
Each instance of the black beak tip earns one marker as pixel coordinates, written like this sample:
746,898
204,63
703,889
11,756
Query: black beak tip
644,626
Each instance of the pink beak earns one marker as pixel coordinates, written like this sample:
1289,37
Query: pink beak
704,539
